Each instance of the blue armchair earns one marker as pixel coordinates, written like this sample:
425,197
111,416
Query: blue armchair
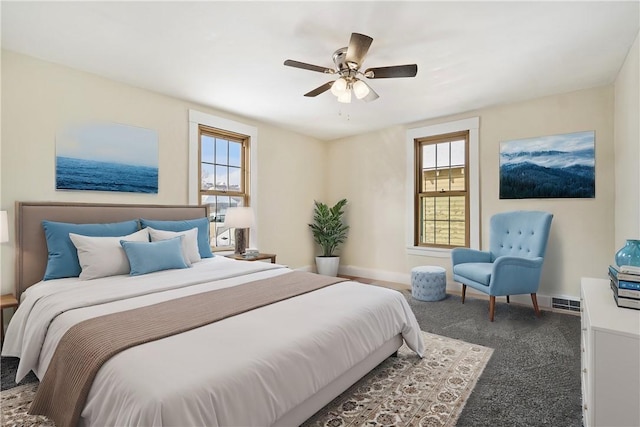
513,264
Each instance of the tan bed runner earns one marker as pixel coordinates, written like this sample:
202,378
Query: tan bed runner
85,347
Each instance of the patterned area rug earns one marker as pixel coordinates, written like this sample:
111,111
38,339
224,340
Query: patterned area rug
409,391
15,404
401,391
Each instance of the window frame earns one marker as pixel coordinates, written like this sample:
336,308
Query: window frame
244,192
245,165
419,144
472,125
231,127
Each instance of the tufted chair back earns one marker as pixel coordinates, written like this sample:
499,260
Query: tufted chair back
519,233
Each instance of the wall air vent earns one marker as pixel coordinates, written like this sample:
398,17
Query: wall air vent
565,304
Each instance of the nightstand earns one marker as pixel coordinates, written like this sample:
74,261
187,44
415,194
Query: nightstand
6,301
258,257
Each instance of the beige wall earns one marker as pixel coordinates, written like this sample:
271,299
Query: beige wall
39,98
369,170
627,148
291,174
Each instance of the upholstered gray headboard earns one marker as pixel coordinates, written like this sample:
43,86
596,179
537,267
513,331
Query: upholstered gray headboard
31,245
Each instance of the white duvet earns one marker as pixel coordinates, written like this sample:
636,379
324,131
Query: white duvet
246,370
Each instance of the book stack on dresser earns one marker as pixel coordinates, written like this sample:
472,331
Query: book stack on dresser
625,284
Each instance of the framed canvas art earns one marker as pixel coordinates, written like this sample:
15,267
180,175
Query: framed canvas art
556,166
107,157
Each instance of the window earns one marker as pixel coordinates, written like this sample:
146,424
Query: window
223,163
471,128
223,179
441,191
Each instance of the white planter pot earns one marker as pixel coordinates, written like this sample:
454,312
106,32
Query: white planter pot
327,265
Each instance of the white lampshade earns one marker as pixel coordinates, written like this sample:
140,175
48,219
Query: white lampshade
240,217
339,87
361,89
4,227
345,97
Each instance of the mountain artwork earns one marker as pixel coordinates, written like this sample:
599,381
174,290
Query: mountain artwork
556,166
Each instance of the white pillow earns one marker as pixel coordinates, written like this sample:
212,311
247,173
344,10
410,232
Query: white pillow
190,250
104,256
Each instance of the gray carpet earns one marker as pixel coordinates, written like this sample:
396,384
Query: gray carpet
533,377
9,368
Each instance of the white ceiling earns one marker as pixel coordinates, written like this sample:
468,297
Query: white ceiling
229,55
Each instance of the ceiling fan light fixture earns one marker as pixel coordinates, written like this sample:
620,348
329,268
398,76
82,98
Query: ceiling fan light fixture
347,72
339,86
345,97
361,89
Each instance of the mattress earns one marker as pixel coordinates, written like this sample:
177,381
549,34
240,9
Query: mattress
249,369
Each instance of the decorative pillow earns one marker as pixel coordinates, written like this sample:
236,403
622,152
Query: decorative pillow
63,257
104,256
147,257
190,249
183,225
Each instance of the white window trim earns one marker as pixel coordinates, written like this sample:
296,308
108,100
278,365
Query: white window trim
197,118
473,126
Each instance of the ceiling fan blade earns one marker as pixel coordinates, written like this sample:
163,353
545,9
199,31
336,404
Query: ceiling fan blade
358,48
363,91
320,89
371,96
310,67
390,72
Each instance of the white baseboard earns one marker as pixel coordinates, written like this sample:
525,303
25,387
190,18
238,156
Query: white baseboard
544,301
386,276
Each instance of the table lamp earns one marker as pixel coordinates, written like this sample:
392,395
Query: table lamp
240,218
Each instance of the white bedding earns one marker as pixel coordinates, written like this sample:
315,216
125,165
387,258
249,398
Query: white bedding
248,369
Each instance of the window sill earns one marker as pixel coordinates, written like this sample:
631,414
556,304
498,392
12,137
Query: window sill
429,252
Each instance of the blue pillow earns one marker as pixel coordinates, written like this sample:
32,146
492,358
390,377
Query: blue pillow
63,256
183,225
154,256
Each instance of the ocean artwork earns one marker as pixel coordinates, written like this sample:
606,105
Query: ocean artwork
556,166
107,157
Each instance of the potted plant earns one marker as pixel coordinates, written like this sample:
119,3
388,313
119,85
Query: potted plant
329,232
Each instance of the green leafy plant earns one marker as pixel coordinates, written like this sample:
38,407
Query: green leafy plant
328,229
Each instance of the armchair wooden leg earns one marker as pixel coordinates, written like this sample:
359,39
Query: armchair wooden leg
464,290
507,299
534,299
492,307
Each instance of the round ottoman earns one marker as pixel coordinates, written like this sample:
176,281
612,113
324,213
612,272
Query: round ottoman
428,283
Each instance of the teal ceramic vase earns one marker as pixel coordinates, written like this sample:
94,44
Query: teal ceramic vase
629,254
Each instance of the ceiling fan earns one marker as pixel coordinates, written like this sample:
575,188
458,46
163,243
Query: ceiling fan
348,61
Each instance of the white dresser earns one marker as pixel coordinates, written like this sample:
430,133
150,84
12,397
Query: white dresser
610,358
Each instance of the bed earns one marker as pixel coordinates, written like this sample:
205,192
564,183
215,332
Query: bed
273,365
